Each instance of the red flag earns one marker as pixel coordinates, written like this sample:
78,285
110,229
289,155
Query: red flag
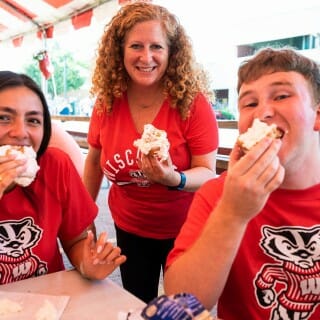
45,65
82,20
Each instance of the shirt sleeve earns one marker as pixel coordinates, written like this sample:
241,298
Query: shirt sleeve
94,128
78,210
204,201
202,134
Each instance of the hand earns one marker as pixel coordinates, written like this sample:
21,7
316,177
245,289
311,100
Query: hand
159,171
100,258
10,169
251,178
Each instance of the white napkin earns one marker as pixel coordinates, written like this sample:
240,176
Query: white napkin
31,306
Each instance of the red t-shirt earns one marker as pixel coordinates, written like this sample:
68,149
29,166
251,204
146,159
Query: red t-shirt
137,206
279,255
55,205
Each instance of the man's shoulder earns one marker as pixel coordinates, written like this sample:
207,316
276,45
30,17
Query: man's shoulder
213,184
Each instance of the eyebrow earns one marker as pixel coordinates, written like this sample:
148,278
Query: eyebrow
7,109
13,111
273,84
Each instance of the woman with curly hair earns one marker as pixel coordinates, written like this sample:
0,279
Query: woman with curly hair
146,74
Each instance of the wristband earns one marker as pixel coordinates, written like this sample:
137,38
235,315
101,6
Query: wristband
182,183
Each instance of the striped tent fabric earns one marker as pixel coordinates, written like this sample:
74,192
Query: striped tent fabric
21,17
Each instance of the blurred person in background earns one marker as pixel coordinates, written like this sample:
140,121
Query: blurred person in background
61,139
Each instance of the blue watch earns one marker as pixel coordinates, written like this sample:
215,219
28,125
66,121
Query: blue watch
182,183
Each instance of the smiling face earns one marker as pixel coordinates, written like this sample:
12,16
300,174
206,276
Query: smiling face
283,98
21,117
146,53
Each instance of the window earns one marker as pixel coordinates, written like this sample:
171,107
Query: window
301,43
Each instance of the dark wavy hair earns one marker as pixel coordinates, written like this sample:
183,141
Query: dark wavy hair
183,79
9,79
270,60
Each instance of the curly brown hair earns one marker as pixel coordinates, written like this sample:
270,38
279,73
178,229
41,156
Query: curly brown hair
183,79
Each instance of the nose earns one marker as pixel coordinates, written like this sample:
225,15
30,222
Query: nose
264,111
18,130
146,55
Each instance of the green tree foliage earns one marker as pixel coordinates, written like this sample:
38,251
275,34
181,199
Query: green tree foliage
68,75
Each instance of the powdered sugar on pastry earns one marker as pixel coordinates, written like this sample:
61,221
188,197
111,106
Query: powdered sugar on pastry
47,312
23,152
9,307
256,133
153,141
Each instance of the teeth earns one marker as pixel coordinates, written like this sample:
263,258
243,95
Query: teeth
146,69
281,133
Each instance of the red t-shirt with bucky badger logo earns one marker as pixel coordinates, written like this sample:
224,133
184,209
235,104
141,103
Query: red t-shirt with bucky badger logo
276,272
55,205
137,205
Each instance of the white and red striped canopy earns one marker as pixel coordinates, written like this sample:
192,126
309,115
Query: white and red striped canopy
21,17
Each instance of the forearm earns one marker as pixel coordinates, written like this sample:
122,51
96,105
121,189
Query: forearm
204,268
202,169
75,255
74,249
92,178
197,176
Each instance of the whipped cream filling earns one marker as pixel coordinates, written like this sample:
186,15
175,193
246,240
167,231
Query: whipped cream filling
256,133
23,152
155,141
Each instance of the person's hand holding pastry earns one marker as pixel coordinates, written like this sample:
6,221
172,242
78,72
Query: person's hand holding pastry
254,169
155,161
153,142
18,165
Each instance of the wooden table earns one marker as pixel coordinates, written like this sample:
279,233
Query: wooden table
88,299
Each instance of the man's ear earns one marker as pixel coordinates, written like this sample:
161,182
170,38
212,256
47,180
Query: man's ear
317,121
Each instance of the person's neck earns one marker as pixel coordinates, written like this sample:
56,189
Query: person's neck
301,177
144,98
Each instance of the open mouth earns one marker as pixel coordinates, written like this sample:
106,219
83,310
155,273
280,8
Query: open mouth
280,133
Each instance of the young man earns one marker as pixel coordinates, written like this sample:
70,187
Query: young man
251,242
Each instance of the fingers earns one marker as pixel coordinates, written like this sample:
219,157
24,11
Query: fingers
9,170
157,171
256,153
255,174
268,163
119,260
101,242
109,255
147,162
90,241
235,154
105,252
257,159
13,167
276,179
99,258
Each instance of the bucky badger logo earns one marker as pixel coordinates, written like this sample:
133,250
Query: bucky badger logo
291,287
17,262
